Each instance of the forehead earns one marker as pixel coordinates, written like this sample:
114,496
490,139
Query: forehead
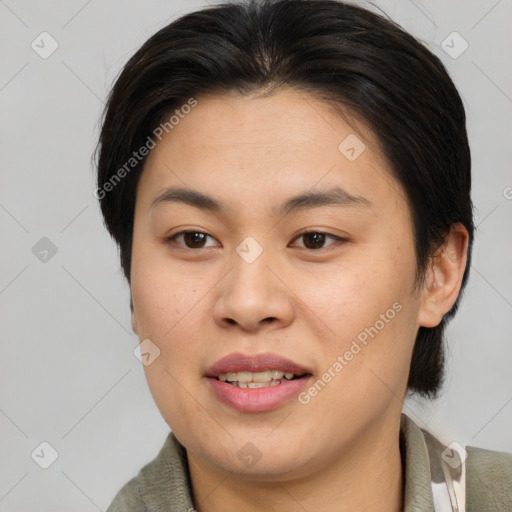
284,120
282,144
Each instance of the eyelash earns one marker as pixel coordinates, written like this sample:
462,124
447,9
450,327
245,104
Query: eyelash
172,239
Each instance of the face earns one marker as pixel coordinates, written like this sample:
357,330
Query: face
299,260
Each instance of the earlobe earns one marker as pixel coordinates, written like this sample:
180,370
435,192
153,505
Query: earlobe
444,277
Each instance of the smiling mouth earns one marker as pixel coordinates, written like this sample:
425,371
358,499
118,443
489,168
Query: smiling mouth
263,379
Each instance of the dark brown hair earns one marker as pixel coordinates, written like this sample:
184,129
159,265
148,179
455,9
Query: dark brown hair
345,54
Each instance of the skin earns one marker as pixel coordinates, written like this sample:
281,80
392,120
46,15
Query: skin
340,451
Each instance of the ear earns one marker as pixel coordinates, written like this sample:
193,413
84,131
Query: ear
135,326
444,277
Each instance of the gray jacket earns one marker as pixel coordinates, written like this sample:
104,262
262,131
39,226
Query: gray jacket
485,479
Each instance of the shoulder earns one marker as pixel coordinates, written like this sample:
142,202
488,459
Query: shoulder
488,480
162,484
128,498
480,478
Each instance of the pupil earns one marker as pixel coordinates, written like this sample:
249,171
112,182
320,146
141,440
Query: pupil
194,237
315,238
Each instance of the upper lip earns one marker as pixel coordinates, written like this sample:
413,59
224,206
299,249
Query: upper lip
255,363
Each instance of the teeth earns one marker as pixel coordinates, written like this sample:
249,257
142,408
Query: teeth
255,379
261,376
253,385
243,376
256,376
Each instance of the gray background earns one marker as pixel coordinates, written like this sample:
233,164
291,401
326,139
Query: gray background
68,375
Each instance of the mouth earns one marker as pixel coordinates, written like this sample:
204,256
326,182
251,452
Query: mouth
256,383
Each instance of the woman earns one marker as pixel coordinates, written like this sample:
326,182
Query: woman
289,185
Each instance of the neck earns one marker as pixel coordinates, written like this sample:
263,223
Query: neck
367,477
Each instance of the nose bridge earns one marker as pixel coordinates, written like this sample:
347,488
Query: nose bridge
251,276
251,292
250,250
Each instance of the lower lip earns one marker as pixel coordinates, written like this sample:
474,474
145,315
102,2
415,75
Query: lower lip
257,399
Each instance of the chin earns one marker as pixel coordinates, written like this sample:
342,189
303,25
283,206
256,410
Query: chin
258,455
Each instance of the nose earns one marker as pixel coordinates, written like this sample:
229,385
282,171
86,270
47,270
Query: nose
254,296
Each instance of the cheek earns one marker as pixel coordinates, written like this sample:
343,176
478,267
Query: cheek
371,316
170,312
171,307
164,295
369,371
175,322
353,293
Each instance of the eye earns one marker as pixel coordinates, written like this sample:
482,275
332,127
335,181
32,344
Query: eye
315,239
191,239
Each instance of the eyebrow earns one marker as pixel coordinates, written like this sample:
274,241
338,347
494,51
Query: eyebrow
311,199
